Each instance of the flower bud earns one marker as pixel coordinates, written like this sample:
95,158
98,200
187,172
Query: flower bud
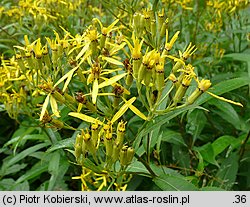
136,67
46,58
204,85
69,98
193,96
159,77
181,90
160,20
163,28
57,123
123,156
103,39
120,133
130,154
78,146
153,28
108,142
94,132
178,65
20,62
54,56
116,151
78,152
142,72
58,96
129,79
148,72
89,142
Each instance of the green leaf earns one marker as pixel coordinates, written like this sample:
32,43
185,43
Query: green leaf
228,113
196,121
181,156
89,164
24,186
53,168
24,138
13,169
6,184
153,137
221,143
163,170
172,137
54,162
25,153
238,56
35,172
227,173
211,188
159,121
65,143
207,153
173,183
138,167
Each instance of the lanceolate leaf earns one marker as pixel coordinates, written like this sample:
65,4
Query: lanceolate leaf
173,183
158,121
65,143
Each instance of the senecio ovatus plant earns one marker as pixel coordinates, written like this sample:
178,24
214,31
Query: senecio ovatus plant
94,75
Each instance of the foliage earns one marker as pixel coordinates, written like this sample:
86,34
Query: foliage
124,95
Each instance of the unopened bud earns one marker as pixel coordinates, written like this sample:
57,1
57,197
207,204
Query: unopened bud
116,151
94,133
181,90
130,154
120,133
57,123
123,156
108,144
159,77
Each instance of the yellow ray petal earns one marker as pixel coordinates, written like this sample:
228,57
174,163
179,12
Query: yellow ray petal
224,99
21,48
123,109
95,91
45,104
112,25
112,60
84,49
175,59
54,106
79,108
67,76
88,53
85,118
136,111
106,94
108,71
112,80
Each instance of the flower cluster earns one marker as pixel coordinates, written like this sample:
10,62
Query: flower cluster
112,162
98,76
